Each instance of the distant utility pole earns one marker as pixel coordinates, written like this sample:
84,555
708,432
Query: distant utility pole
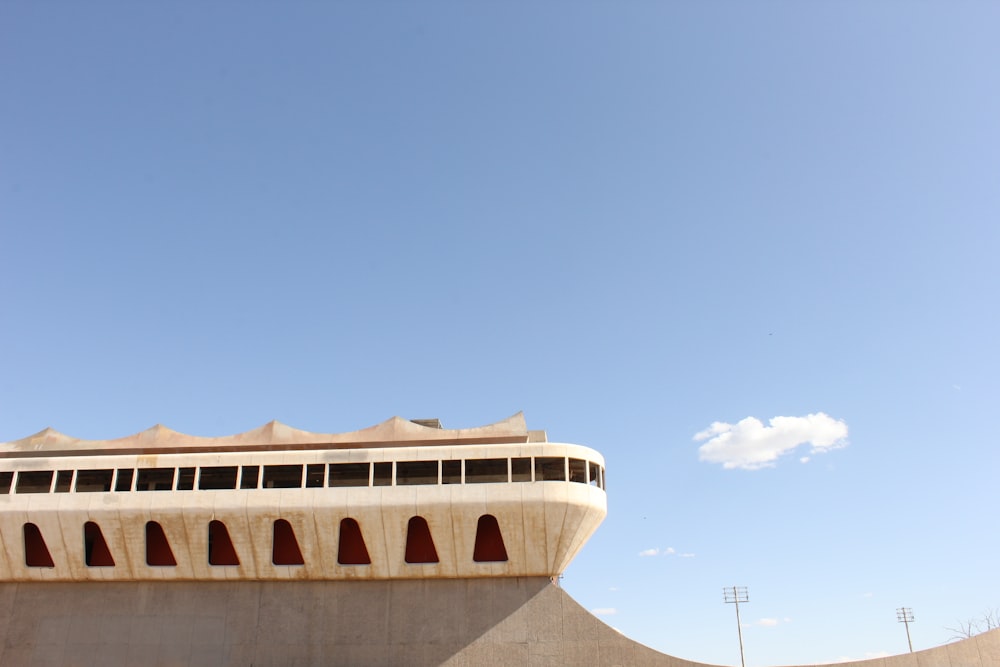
735,595
904,615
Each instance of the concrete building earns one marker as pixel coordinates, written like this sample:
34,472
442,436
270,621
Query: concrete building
401,544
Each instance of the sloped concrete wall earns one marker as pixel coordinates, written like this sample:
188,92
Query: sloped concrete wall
457,622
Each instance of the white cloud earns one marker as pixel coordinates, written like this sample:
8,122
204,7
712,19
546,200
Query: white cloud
767,622
750,445
614,589
604,611
656,551
686,555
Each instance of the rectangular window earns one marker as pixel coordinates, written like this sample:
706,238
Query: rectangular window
314,475
251,475
283,477
349,474
578,471
520,470
451,472
383,474
550,469
185,479
89,481
5,480
34,481
155,479
594,474
64,481
211,478
123,482
416,472
479,471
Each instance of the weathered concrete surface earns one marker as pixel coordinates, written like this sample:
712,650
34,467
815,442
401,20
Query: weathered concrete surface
459,622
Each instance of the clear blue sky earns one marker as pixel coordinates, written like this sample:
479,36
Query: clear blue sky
629,220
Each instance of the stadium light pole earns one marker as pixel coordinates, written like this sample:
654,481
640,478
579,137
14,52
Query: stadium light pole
735,595
904,615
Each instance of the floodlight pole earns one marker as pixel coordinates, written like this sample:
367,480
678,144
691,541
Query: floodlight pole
904,615
735,595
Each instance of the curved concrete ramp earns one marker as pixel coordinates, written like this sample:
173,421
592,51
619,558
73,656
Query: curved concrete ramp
517,621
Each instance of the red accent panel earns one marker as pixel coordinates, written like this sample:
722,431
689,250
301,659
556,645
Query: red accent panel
96,552
419,544
36,554
220,548
285,548
489,541
158,551
351,549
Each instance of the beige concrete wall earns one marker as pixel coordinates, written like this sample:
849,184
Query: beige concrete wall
460,622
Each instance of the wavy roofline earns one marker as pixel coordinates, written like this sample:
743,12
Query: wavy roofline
272,436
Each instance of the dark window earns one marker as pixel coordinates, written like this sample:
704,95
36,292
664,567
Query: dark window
64,481
185,479
155,479
36,553
93,480
220,548
351,549
416,472
419,544
485,470
489,541
284,547
314,475
383,474
158,551
217,477
349,474
604,479
578,471
95,548
550,469
5,479
451,472
123,482
251,475
520,470
594,474
31,481
283,477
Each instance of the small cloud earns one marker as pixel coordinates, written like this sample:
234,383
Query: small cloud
649,552
766,622
956,387
614,589
687,555
804,459
668,551
868,595
750,445
604,611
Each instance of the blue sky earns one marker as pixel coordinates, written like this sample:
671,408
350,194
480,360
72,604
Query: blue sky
629,220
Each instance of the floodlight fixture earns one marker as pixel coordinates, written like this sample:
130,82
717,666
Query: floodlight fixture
735,595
